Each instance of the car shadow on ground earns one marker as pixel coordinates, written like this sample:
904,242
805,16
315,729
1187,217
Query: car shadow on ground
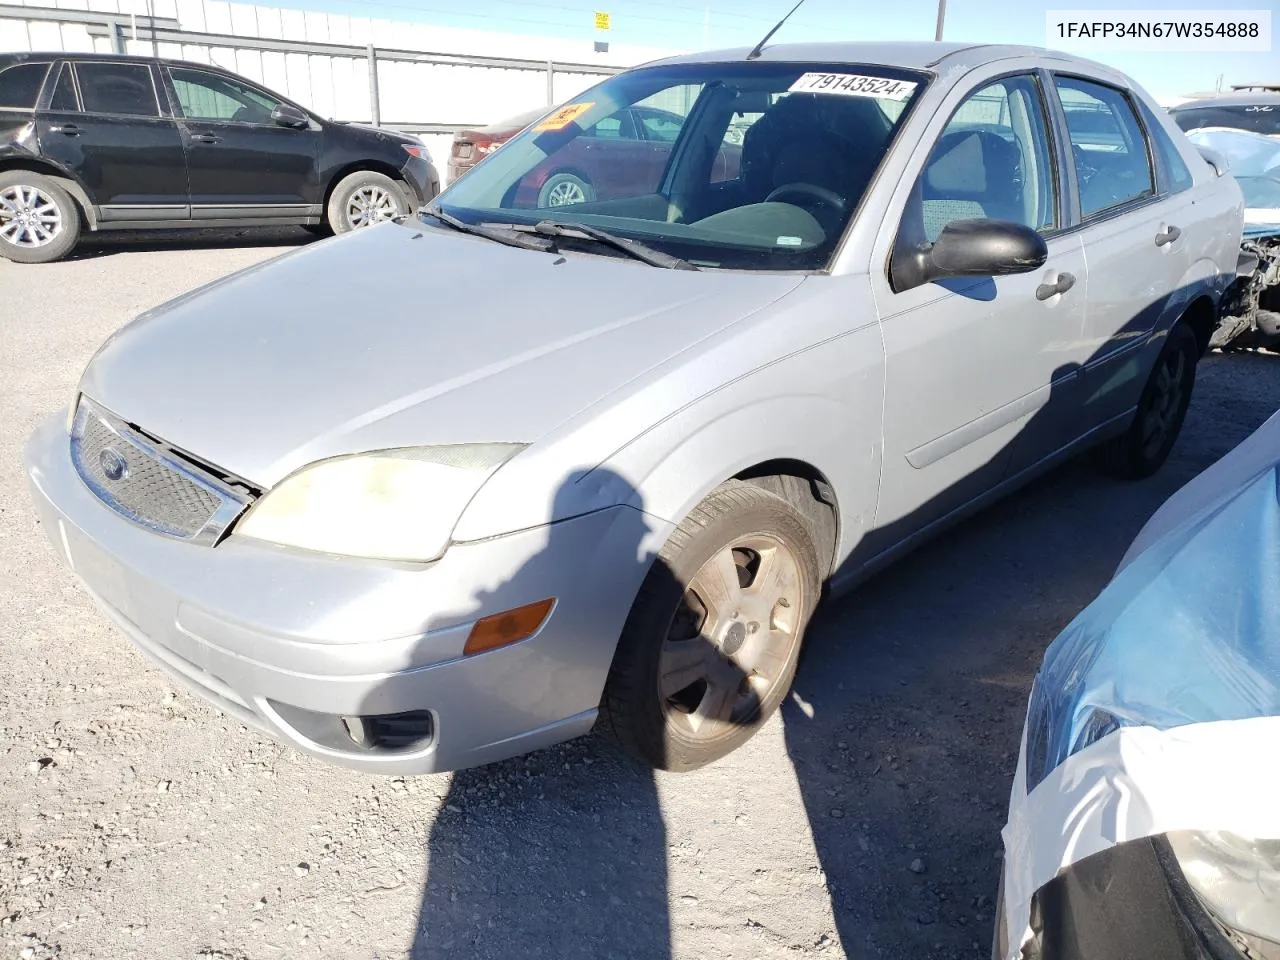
902,732
111,242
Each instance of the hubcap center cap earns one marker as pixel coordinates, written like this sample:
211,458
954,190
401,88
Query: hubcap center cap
734,638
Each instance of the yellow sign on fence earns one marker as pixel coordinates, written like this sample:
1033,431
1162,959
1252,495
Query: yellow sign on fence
602,21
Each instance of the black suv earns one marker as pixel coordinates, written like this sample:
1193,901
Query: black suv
114,142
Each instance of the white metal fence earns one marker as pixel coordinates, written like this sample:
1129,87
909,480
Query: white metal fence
416,77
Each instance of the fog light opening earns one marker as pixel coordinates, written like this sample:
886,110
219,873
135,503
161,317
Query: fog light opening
390,731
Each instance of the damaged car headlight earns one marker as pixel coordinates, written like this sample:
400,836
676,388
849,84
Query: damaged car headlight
1236,878
387,505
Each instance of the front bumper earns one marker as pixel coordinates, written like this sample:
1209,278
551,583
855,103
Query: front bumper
269,634
423,180
1130,900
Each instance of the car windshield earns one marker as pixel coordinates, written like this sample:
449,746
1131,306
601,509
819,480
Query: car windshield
1261,118
742,165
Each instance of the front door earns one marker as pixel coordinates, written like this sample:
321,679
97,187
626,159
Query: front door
105,124
974,364
240,162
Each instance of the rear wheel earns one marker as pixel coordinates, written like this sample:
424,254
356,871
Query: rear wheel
1144,447
363,199
711,644
39,222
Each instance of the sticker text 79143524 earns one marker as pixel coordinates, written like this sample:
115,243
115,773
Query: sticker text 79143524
854,85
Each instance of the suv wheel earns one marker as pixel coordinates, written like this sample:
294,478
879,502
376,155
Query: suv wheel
365,198
39,222
710,647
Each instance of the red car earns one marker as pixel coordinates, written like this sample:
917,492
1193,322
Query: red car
606,161
472,146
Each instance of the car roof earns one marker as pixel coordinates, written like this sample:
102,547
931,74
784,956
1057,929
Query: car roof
1242,99
45,56
919,55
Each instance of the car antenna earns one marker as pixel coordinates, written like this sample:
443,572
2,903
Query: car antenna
759,47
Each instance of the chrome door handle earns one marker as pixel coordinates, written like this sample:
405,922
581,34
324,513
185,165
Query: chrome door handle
206,138
69,129
1169,234
1063,283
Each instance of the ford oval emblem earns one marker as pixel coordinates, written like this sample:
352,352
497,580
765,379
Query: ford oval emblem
114,466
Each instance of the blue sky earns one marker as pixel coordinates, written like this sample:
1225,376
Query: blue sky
721,23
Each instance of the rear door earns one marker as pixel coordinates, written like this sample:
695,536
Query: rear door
240,162
1136,240
106,124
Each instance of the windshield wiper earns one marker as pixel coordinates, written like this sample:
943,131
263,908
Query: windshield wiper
497,234
632,248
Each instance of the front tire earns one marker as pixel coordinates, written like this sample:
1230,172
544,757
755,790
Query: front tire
39,222
1143,448
710,647
363,199
565,189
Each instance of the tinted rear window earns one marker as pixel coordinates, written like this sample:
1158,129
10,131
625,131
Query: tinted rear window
20,84
64,91
1253,117
120,88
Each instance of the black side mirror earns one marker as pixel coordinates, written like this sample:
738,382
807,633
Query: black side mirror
970,248
286,115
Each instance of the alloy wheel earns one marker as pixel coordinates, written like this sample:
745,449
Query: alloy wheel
565,193
369,205
733,637
29,217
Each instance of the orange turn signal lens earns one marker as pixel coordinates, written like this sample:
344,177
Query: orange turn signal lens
509,627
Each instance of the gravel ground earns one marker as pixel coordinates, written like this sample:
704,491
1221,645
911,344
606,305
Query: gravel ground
135,821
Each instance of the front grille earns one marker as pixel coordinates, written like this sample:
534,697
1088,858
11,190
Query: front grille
147,484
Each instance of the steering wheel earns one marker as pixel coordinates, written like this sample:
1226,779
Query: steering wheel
807,192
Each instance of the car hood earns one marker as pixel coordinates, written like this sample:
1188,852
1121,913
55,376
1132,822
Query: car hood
403,335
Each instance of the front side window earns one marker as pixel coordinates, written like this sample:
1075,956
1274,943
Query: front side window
209,96
117,88
992,162
1108,147
740,165
20,85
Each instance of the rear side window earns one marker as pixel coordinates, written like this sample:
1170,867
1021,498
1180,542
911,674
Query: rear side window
1108,147
1173,169
20,85
64,93
119,88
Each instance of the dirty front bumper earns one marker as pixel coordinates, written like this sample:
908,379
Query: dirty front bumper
291,642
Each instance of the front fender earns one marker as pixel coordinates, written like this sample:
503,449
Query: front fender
822,405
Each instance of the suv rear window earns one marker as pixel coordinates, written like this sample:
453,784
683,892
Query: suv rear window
20,85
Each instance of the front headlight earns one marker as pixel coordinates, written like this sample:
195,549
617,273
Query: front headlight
387,505
1236,878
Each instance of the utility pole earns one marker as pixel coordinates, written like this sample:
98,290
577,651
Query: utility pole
942,16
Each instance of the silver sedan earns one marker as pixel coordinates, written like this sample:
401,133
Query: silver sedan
444,491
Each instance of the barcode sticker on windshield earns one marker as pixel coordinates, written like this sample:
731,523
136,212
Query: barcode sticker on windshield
853,85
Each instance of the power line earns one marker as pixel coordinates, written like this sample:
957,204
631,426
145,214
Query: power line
580,26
